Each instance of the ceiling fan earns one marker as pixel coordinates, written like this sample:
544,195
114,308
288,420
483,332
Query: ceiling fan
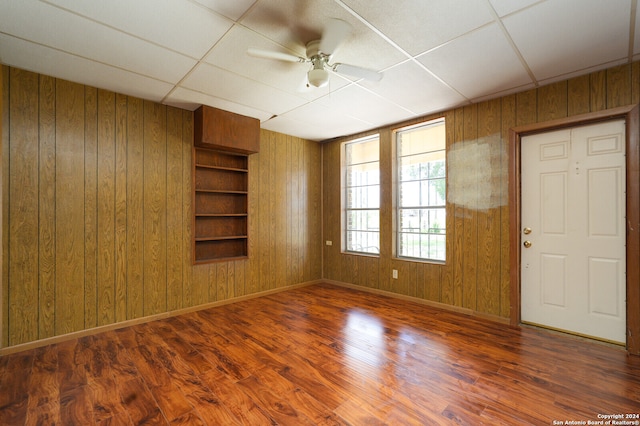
319,54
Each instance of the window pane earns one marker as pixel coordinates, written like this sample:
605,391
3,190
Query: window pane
409,195
363,197
362,152
432,221
437,168
428,138
363,174
361,202
422,166
423,220
366,242
410,245
421,191
409,171
409,220
432,193
427,246
436,247
363,220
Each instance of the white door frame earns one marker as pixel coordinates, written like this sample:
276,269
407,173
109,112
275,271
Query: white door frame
631,115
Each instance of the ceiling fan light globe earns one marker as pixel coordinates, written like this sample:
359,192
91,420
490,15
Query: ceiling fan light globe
318,77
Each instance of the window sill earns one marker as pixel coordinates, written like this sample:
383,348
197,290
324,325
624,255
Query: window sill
418,260
358,253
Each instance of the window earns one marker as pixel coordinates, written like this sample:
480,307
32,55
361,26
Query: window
361,183
421,205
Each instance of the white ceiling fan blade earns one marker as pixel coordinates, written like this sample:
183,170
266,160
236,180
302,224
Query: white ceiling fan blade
334,34
270,54
358,72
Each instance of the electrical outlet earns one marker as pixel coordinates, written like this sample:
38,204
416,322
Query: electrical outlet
394,274
329,243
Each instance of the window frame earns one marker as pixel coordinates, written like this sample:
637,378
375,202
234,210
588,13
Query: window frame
397,208
345,209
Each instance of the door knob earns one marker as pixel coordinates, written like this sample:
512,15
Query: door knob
526,231
527,244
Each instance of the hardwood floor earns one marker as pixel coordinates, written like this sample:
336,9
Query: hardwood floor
319,355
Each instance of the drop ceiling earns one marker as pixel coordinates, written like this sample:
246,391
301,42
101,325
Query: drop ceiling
435,54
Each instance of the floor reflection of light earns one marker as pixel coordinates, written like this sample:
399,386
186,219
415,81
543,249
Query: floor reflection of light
387,354
365,341
382,356
417,352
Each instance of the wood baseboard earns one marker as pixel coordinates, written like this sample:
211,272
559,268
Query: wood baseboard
430,303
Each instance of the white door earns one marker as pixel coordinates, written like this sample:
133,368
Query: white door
573,271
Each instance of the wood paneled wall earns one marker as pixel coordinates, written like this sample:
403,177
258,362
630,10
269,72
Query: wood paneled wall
476,274
96,211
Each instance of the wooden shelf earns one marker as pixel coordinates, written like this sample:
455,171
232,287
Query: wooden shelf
220,205
221,191
220,250
232,237
222,143
221,215
231,169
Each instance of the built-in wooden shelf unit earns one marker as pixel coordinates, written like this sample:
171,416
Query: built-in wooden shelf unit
222,143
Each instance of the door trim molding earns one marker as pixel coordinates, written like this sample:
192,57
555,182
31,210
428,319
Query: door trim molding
631,115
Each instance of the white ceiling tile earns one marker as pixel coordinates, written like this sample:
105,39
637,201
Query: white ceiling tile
580,72
504,93
191,100
298,128
43,60
413,88
505,7
334,122
178,25
418,25
364,105
496,67
232,9
559,37
97,42
232,87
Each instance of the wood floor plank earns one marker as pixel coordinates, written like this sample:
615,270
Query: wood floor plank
140,404
119,419
46,414
207,403
106,403
357,415
188,419
243,408
76,407
14,388
318,355
171,401
278,406
310,377
44,382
